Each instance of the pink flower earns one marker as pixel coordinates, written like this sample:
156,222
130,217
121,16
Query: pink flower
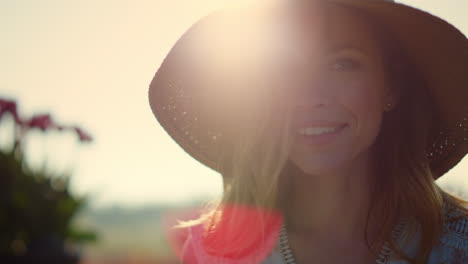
83,136
42,121
8,106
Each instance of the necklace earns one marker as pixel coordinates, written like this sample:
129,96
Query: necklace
385,252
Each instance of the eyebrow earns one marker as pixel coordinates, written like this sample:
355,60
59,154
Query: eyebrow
333,51
340,49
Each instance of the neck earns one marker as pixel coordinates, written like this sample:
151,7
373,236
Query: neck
330,208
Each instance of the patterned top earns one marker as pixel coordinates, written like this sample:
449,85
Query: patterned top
452,247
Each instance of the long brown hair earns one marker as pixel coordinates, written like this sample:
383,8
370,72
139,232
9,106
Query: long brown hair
404,184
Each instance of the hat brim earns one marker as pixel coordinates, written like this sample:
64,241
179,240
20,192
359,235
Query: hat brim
440,52
438,49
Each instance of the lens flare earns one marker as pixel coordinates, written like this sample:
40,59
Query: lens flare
234,234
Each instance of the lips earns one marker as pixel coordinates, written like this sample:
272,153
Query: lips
313,123
318,124
322,139
318,130
305,116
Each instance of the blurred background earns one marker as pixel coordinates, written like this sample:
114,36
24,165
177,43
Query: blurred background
78,72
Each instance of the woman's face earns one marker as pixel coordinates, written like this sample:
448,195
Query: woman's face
334,72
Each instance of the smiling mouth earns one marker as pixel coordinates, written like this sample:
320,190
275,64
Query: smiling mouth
319,130
319,136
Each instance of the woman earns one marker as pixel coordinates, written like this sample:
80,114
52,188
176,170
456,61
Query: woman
334,117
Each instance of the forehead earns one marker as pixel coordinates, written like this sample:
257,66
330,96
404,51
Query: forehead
328,27
244,45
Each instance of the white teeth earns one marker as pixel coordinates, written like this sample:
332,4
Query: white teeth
313,131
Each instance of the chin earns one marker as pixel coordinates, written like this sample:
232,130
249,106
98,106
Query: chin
322,165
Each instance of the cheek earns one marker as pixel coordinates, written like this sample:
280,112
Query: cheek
361,95
363,101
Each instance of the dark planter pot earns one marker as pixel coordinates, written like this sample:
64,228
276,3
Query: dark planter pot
48,249
26,259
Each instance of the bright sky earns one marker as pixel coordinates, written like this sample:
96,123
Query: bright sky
90,63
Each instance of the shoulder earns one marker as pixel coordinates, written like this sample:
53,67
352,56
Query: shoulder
456,233
453,244
456,223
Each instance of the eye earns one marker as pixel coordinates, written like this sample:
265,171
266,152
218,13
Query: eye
346,64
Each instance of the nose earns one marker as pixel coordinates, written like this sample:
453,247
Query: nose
312,91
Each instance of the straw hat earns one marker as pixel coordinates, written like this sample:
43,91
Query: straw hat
199,119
